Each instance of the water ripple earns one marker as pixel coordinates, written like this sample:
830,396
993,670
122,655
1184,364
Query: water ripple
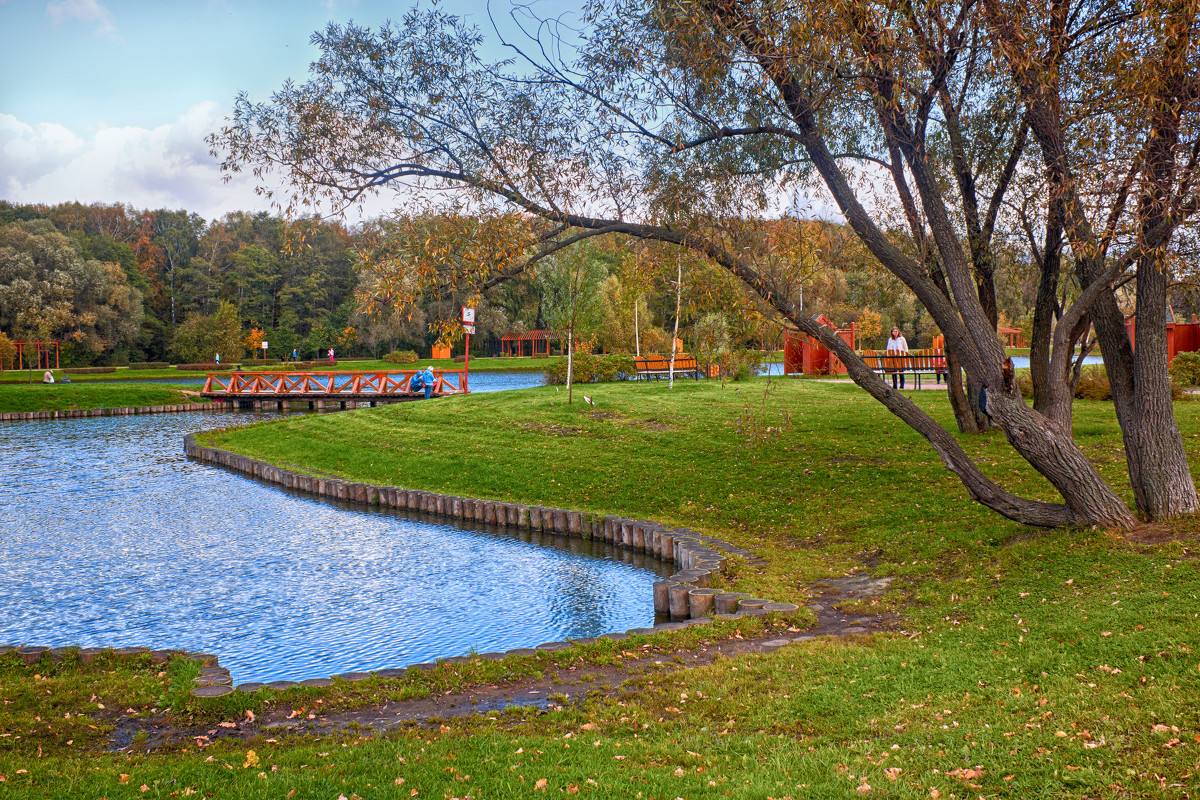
111,537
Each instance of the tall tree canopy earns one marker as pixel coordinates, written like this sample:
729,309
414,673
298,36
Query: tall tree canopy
677,120
49,291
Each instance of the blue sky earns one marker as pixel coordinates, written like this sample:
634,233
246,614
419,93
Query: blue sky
110,100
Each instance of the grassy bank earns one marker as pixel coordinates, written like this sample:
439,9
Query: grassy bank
64,397
1025,663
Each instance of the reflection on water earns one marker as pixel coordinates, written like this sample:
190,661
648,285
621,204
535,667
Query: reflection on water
112,537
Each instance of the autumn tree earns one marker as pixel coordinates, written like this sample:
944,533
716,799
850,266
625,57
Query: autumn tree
574,303
49,291
667,121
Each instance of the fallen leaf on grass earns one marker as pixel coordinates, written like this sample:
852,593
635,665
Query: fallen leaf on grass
251,759
892,773
541,784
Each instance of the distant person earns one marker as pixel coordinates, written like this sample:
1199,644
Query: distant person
218,359
423,380
48,377
331,355
295,355
897,345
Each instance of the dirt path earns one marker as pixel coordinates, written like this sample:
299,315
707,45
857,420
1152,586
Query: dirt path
558,686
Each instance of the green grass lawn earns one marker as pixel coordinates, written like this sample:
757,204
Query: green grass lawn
67,396
1027,663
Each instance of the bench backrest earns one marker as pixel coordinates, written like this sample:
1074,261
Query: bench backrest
643,363
924,360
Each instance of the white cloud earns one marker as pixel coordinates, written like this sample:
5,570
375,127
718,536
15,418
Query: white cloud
163,167
167,166
86,11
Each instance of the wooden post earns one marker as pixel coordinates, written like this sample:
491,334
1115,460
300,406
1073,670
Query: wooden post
701,602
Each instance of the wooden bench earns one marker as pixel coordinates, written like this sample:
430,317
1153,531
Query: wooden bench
916,362
660,366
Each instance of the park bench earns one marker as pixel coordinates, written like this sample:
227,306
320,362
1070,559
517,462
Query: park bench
915,362
660,366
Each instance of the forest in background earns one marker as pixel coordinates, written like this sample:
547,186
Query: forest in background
118,285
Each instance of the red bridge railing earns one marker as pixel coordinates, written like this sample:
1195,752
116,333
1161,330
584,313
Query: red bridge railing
389,383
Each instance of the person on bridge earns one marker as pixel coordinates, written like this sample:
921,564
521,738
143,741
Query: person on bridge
423,380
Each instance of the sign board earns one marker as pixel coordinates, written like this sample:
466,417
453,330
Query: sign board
264,345
469,328
468,316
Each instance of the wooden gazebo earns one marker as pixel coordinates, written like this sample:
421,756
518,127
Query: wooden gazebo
513,344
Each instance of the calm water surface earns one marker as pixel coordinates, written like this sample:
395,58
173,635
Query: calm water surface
111,537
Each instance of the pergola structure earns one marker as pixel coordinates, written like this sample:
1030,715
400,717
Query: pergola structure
38,350
513,344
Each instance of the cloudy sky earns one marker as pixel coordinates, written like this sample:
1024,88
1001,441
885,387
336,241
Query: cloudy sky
110,100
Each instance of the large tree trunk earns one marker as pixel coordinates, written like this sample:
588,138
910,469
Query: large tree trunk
1164,480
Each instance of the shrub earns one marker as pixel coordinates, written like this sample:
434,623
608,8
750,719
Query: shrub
401,357
589,368
740,365
207,366
149,365
89,370
1093,385
583,370
1185,369
615,367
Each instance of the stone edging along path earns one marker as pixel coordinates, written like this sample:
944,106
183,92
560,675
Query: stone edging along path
686,596
122,411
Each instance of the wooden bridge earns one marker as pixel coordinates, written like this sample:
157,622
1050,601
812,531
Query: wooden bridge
326,389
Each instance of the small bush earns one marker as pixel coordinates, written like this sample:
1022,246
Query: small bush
149,365
89,370
740,365
589,368
615,367
1185,369
401,357
1093,385
206,366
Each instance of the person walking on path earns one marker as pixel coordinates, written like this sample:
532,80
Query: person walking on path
897,347
218,359
331,355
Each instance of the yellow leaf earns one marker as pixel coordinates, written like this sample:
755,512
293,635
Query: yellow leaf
251,759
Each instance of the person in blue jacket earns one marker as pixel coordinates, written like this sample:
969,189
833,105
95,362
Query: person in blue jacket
423,380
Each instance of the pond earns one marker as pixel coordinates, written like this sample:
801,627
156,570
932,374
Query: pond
113,538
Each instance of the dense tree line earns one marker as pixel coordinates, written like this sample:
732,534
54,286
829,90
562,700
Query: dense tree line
295,281
119,285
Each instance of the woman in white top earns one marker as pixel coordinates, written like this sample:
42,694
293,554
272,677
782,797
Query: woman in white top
897,344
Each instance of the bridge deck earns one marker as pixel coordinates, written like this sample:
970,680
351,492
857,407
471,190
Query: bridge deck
390,385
